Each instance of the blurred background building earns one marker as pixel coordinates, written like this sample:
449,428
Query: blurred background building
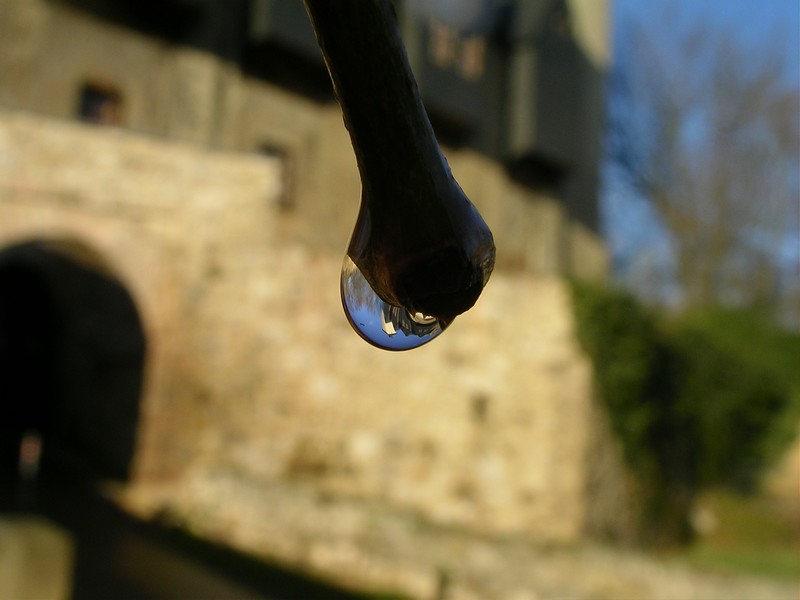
176,192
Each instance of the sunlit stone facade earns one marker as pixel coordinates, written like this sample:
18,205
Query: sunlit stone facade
222,204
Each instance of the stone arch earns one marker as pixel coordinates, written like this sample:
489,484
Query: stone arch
72,352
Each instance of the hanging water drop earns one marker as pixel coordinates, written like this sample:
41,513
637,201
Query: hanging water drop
380,323
420,253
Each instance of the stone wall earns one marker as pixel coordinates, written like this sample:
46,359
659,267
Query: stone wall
48,51
261,408
253,370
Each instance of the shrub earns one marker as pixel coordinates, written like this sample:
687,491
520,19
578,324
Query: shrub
737,386
620,338
699,401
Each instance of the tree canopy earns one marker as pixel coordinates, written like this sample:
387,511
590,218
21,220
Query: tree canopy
708,132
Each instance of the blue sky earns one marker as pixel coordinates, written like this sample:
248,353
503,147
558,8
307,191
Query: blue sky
754,22
631,227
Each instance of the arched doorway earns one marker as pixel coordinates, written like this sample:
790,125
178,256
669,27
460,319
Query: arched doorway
72,353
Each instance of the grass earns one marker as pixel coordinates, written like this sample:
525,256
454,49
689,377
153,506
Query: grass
774,563
750,537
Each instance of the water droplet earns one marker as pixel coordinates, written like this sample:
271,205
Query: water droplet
380,323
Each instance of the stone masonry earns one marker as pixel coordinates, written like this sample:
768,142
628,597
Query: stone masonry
253,369
254,380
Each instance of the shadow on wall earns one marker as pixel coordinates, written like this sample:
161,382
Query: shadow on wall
72,353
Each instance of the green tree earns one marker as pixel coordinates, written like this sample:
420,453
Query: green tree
707,399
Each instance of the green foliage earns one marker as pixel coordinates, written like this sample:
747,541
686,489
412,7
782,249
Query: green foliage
731,401
699,401
620,337
751,342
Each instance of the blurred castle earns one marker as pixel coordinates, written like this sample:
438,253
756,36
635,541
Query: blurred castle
176,192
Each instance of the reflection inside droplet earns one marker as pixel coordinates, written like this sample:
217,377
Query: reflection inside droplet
378,322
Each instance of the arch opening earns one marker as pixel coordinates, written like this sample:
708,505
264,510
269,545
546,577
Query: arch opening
72,352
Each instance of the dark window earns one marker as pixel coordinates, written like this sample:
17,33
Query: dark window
285,197
449,50
100,103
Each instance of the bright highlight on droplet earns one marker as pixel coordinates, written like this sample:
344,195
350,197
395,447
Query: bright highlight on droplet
378,322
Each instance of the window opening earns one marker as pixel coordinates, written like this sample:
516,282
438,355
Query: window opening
284,194
100,103
449,50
